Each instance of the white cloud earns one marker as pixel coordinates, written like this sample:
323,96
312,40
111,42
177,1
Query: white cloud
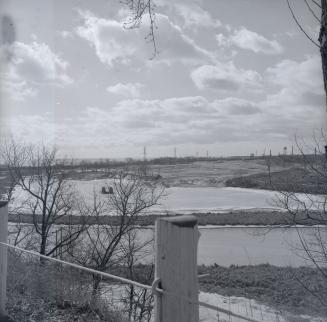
171,111
298,101
127,89
115,44
223,41
194,16
225,77
31,66
33,128
250,40
37,63
183,120
18,89
237,106
304,75
108,37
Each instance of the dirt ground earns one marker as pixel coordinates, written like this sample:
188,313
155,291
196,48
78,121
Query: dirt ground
212,173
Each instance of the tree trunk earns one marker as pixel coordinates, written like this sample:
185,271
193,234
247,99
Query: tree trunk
43,245
43,250
96,284
131,298
323,42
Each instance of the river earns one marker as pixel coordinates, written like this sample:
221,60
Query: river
234,245
227,245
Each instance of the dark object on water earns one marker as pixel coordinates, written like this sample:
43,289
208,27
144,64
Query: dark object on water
326,151
106,191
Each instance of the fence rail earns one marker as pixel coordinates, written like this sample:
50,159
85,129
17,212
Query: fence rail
172,303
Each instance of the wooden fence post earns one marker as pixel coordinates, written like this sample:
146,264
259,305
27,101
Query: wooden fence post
176,267
3,256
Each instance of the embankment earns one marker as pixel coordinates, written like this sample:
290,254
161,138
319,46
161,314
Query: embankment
232,217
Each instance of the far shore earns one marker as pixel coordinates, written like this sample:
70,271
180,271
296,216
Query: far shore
246,217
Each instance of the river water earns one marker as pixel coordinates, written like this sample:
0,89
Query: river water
227,245
234,245
231,245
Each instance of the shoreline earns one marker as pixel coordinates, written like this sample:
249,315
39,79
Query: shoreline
233,218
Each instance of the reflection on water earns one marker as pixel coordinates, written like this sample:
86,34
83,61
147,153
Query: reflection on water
250,246
237,245
227,245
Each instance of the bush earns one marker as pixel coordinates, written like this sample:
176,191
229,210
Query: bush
51,292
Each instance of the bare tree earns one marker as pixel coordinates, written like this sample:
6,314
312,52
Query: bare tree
139,301
319,13
43,192
310,208
103,245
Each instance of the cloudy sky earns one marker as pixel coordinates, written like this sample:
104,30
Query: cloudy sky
231,77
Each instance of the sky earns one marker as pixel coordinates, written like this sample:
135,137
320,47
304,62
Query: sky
231,77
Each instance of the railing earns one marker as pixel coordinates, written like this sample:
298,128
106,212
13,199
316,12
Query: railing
175,286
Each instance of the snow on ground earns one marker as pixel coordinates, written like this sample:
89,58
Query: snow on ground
248,308
184,199
239,305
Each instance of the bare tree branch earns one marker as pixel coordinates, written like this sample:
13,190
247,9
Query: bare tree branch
140,9
312,12
46,194
316,3
299,25
105,246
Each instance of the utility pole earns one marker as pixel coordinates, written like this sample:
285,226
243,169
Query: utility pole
144,153
269,166
175,153
144,162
